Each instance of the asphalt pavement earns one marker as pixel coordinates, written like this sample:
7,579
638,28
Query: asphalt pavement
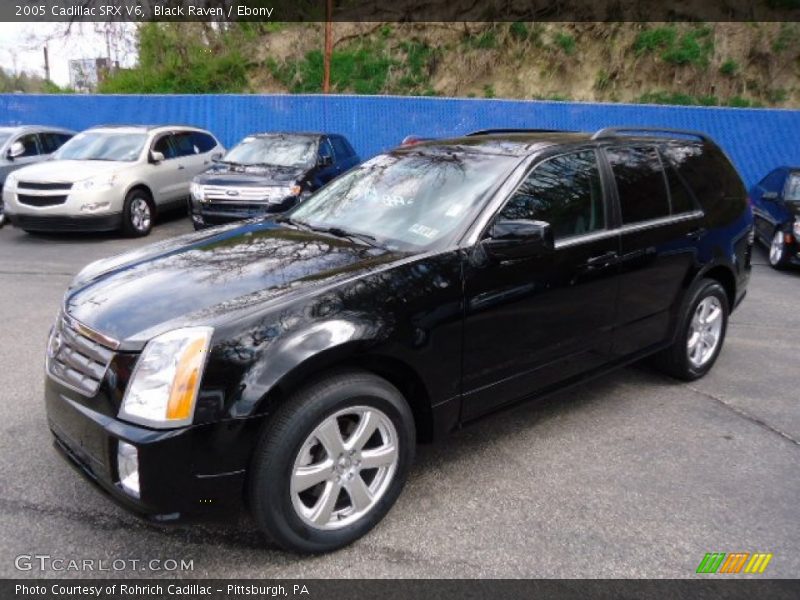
632,475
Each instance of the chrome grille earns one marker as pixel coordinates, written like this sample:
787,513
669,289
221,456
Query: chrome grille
246,194
76,360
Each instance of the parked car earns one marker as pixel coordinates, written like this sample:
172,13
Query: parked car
776,210
24,145
295,361
268,173
110,177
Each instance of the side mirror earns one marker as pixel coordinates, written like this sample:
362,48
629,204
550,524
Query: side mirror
17,149
156,157
216,157
769,196
518,238
325,160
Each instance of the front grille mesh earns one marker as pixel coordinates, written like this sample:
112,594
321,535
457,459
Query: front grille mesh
41,200
76,360
35,185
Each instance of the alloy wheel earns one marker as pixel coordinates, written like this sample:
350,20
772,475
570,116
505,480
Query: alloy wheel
344,467
776,248
705,331
140,214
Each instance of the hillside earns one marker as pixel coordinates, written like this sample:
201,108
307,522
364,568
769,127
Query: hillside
733,64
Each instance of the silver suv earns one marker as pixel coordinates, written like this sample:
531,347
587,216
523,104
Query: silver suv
26,144
110,177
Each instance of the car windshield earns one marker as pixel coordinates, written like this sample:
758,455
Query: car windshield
793,188
4,135
408,200
103,145
278,150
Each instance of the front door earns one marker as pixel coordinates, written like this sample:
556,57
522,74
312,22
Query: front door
534,322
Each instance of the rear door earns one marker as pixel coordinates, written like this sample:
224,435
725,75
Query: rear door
166,178
661,224
534,322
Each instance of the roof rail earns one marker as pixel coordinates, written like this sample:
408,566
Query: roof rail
614,131
511,130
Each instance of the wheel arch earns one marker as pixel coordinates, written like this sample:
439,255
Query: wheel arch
146,189
724,275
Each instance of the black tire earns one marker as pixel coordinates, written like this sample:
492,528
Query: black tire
131,225
778,259
674,360
199,226
283,438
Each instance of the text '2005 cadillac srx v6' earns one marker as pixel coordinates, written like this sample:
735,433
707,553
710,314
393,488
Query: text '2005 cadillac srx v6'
291,364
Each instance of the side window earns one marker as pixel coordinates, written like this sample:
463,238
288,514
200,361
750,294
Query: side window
52,141
792,191
184,144
203,142
325,148
341,148
165,146
29,142
564,191
640,183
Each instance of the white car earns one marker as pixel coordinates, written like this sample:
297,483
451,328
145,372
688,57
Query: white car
110,177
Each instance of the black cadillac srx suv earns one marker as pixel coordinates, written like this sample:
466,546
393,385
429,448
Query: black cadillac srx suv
291,364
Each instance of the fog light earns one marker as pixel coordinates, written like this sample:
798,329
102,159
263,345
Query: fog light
128,468
95,206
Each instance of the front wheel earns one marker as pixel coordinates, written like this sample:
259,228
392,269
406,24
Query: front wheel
137,214
332,462
778,256
701,332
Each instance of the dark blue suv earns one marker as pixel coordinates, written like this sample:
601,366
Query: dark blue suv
776,212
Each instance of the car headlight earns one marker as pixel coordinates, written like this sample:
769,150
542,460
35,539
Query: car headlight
95,183
11,181
796,228
196,190
163,388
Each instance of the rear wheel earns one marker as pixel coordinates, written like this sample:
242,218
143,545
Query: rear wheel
701,333
778,255
332,462
137,214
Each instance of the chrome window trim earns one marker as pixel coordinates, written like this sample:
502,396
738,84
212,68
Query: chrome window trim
629,228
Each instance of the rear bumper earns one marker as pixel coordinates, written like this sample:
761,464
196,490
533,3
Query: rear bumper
64,223
179,469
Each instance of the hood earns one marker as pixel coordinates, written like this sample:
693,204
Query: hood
201,278
67,171
261,175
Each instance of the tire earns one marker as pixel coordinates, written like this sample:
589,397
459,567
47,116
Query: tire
292,513
689,362
778,256
199,226
137,214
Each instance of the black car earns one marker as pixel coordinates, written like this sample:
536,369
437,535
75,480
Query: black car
291,364
776,212
268,173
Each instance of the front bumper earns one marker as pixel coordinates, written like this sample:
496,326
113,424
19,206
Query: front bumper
217,213
68,214
191,471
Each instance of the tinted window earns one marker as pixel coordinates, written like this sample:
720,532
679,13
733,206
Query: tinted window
341,147
29,142
640,183
681,198
564,191
53,141
165,146
792,193
203,142
708,172
325,148
184,144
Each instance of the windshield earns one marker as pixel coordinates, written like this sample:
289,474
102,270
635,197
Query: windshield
411,199
103,145
793,188
4,135
279,150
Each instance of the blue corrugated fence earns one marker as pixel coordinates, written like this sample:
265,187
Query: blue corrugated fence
756,139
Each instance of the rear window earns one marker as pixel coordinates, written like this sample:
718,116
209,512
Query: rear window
341,148
641,186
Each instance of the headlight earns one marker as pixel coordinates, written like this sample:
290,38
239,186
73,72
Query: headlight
11,180
163,388
796,228
95,183
196,190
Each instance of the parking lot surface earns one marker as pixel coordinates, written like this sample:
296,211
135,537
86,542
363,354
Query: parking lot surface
632,475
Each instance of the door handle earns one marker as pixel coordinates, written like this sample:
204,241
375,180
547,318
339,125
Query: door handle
696,234
603,259
181,167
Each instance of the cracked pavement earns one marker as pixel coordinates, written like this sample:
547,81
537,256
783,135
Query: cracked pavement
631,475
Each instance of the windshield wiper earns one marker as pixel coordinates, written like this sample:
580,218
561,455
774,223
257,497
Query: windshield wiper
335,231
